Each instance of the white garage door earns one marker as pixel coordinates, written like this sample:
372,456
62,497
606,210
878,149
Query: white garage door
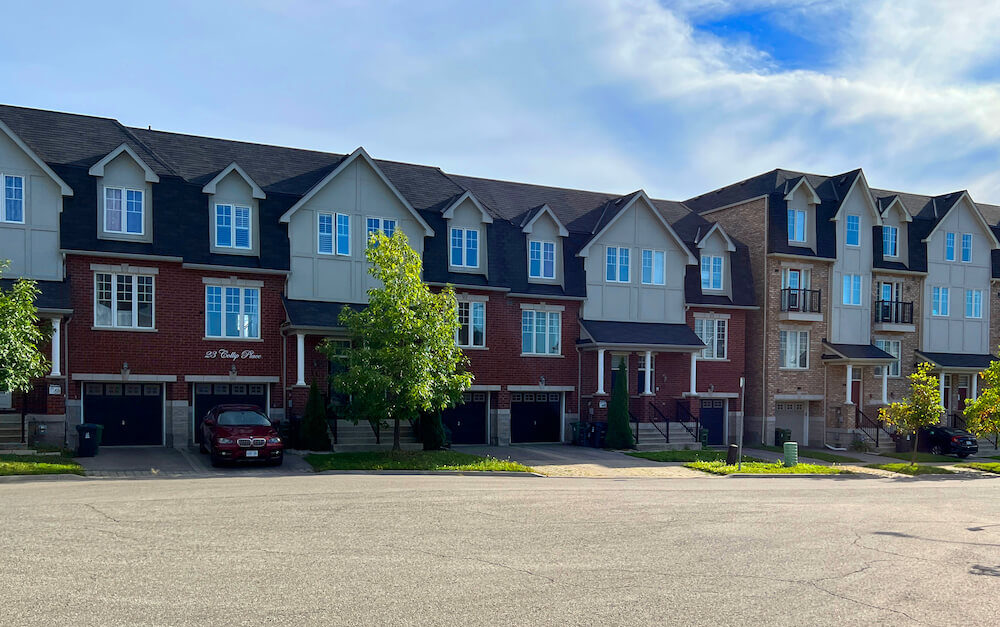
793,416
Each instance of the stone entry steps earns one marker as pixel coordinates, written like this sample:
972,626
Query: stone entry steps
10,428
650,438
360,437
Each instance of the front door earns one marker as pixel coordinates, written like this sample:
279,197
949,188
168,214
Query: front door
962,392
856,386
712,418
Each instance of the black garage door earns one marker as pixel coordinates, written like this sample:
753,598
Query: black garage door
467,422
131,413
535,416
713,413
208,395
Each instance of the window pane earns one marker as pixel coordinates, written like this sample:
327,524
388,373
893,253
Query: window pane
133,210
853,228
720,339
463,324
232,320
343,234
949,246
144,301
372,226
326,233
539,332
716,273
966,247
800,226
14,199
803,349
623,273
456,247
112,210
706,273
102,314
783,348
791,224
527,331
242,227
647,266
479,324
553,333
472,248
388,227
612,265
658,267
535,259
123,312
251,313
549,260
213,311
223,225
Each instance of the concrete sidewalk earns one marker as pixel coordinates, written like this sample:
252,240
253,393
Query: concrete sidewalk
563,460
157,461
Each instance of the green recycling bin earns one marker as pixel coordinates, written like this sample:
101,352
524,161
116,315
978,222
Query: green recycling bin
703,437
791,450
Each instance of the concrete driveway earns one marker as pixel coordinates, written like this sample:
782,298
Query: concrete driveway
562,460
142,461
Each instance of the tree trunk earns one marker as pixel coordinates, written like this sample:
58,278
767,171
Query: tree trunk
913,456
395,434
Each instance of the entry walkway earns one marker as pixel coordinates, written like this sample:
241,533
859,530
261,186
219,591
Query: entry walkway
562,460
146,462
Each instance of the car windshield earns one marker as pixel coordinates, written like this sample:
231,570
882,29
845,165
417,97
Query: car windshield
243,418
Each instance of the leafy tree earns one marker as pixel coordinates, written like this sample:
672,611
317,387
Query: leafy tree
922,408
403,360
619,433
313,435
982,415
21,361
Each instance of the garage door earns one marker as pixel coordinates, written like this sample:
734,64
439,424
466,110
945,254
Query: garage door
712,417
208,395
535,416
791,416
131,413
467,422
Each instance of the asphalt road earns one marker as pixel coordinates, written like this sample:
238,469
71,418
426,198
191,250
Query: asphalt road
448,550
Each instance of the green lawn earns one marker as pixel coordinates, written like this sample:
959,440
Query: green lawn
907,469
993,467
812,453
410,460
705,455
922,457
38,465
766,468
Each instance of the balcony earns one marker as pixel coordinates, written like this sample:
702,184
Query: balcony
802,305
894,315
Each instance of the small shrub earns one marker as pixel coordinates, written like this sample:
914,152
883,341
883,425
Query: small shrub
313,433
619,432
432,432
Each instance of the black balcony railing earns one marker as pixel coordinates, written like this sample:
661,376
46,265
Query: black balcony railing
807,301
894,311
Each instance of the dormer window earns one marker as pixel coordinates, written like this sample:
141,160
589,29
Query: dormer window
542,260
232,227
796,225
711,272
890,241
465,248
853,230
123,210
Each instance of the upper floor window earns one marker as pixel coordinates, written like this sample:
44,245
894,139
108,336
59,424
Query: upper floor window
890,244
374,225
794,349
328,243
852,289
471,331
123,301
711,272
796,279
796,225
949,247
232,311
123,211
617,265
653,267
13,199
465,248
540,332
853,230
973,303
542,260
713,333
966,247
893,348
232,227
939,301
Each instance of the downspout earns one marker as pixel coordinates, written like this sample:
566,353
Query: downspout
763,331
65,394
284,369
579,384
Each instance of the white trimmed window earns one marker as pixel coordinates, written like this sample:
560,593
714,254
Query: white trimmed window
617,265
949,247
374,225
711,272
940,305
890,241
966,247
540,332
796,225
232,227
123,211
713,333
471,331
232,311
852,289
541,260
893,348
653,267
13,199
343,234
123,301
794,349
853,230
973,303
465,248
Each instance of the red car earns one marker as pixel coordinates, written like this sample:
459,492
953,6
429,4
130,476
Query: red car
240,433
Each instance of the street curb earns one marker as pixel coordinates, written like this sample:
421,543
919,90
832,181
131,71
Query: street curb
54,477
842,475
453,473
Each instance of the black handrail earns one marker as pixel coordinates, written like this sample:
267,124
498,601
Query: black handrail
682,411
894,311
665,432
798,299
870,427
957,420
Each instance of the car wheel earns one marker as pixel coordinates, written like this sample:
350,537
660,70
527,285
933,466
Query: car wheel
936,449
276,462
963,455
201,448
216,462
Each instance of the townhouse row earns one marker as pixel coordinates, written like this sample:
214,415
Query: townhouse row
178,272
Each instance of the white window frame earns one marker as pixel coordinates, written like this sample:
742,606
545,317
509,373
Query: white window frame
793,224
240,315
471,306
618,264
784,349
853,285
888,346
142,215
974,304
711,259
534,313
949,246
857,230
232,226
652,266
707,330
964,248
542,244
319,233
940,302
892,231
134,279
3,198
464,231
381,226
336,234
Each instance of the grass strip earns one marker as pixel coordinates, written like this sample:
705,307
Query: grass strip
704,455
922,457
38,465
410,460
907,469
993,467
765,468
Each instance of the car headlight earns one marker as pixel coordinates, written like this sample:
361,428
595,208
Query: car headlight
223,441
274,440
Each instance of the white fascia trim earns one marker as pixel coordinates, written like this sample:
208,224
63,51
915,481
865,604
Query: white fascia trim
730,246
131,378
64,188
231,282
896,202
98,168
450,211
123,268
691,261
213,268
866,193
210,186
225,378
359,152
975,211
813,196
529,225
483,388
97,253
540,388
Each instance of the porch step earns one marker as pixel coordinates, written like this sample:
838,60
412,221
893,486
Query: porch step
650,435
385,446
360,437
663,446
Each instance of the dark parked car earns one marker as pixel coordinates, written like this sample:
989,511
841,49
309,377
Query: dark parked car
948,441
240,433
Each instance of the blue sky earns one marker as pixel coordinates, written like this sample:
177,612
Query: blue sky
676,97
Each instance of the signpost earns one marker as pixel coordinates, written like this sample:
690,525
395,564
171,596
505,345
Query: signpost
739,464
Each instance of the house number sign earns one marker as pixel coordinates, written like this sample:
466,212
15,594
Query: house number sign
232,355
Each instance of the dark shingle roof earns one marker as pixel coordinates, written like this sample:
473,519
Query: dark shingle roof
641,333
958,360
857,351
52,295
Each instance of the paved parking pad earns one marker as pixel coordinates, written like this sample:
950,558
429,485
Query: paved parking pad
125,462
561,460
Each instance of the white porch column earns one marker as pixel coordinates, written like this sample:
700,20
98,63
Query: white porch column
694,374
941,387
56,345
600,371
850,382
885,385
649,368
300,359
975,386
